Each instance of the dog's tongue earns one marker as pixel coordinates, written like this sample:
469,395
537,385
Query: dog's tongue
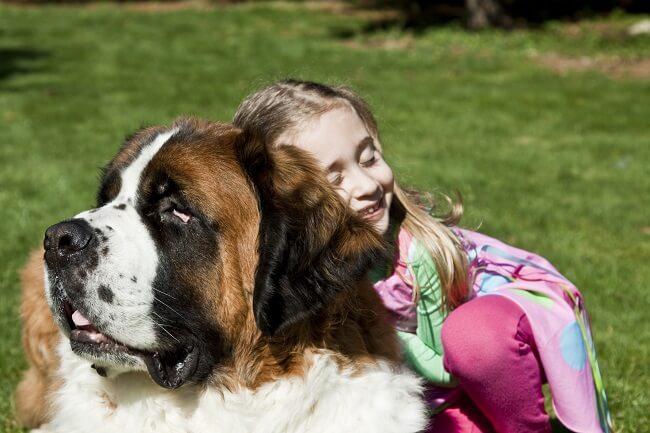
80,320
85,331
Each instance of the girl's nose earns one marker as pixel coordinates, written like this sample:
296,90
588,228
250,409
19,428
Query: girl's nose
364,186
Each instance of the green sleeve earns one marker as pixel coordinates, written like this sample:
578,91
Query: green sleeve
430,313
424,360
424,350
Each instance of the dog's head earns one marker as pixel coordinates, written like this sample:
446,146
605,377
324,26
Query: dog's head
199,231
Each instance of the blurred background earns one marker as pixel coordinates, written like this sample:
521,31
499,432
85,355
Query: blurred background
538,112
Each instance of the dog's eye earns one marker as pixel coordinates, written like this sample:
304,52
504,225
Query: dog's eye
170,211
183,216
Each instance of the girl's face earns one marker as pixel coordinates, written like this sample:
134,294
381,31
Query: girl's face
346,150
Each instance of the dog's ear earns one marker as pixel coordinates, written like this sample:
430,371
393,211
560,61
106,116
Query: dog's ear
311,245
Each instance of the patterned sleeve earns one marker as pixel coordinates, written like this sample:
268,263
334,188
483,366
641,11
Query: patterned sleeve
396,291
418,325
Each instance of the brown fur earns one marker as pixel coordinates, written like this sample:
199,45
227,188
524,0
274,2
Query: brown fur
39,337
353,326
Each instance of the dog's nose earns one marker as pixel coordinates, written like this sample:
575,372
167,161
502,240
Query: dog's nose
67,237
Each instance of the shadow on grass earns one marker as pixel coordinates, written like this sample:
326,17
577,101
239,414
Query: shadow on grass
20,61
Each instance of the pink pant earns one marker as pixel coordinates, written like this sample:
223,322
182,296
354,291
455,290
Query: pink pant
489,348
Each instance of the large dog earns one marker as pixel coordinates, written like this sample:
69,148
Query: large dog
218,286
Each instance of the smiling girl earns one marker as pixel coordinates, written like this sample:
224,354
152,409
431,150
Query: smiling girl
485,323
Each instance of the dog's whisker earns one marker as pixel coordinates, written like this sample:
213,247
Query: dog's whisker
179,314
164,293
161,318
168,333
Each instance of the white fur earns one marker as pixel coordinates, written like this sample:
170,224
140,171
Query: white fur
381,399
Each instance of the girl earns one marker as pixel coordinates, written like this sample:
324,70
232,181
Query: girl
487,324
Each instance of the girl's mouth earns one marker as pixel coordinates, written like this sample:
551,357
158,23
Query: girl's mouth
373,212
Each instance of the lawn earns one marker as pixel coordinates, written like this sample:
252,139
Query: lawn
545,132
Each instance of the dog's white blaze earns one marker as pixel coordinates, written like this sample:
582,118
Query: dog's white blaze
131,174
129,267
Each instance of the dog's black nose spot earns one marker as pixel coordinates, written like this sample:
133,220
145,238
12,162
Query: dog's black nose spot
75,288
93,261
105,293
120,206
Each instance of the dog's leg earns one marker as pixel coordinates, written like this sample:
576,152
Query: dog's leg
39,337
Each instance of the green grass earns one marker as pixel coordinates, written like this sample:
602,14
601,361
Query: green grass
553,163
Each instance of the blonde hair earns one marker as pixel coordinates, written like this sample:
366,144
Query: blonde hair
287,105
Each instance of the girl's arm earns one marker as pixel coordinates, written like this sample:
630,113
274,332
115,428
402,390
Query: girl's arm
424,360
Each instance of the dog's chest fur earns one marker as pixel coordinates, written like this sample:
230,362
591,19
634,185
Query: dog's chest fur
326,399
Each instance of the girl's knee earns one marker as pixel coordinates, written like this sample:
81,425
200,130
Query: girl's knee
479,334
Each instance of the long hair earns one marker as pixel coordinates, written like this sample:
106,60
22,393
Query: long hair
286,106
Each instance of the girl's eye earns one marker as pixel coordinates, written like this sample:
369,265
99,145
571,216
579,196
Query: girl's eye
370,161
335,178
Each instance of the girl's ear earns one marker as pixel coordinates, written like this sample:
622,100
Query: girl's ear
311,245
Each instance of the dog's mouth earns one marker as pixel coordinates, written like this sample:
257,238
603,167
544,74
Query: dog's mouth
169,368
84,332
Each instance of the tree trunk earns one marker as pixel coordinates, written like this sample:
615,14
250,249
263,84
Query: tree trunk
482,14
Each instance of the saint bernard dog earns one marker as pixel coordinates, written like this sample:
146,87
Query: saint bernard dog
218,286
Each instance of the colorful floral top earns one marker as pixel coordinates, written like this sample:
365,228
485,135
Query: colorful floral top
553,305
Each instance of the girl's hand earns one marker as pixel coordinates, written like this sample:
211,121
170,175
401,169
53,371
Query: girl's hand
424,360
